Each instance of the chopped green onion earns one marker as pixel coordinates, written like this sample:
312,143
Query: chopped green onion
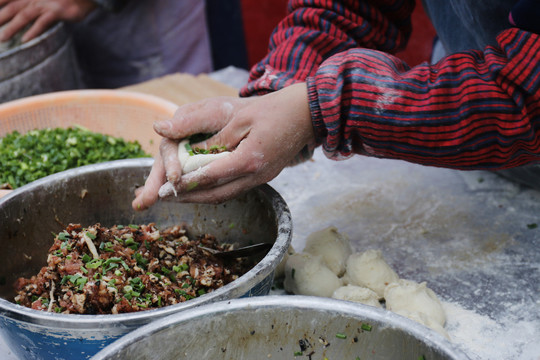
341,336
86,258
132,244
94,264
106,246
366,327
38,153
141,261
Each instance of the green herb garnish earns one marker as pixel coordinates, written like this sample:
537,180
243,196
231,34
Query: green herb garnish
38,153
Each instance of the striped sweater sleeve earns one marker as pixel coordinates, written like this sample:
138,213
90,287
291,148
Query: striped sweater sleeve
472,110
315,30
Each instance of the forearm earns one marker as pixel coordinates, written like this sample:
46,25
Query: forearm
315,30
472,110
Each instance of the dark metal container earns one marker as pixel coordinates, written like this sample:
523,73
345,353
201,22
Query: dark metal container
44,64
103,193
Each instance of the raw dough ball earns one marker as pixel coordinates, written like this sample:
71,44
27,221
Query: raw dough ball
194,162
357,294
306,274
407,295
332,246
280,269
345,280
369,269
424,320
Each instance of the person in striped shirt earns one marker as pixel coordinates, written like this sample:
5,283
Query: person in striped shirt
330,80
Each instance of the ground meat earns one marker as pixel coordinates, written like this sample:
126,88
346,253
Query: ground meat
98,270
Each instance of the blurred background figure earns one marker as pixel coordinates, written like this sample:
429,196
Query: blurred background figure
123,42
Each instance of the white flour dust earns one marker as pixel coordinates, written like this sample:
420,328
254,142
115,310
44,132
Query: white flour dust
483,338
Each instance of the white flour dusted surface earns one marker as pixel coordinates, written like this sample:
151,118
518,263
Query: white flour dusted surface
473,236
483,338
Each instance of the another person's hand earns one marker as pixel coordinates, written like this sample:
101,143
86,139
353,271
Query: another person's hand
264,133
17,14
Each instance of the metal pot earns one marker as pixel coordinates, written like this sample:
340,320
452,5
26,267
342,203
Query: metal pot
103,193
283,327
44,64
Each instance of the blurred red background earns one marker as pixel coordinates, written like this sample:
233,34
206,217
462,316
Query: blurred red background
261,16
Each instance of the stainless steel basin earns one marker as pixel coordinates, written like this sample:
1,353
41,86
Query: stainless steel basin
283,327
103,193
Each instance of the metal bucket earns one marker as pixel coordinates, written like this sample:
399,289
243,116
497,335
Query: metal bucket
283,327
44,64
103,193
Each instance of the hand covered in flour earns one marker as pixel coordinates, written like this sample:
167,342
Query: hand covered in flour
264,134
17,14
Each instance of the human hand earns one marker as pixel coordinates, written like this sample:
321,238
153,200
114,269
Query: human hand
17,14
264,134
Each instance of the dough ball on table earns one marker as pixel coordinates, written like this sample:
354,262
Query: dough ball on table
369,269
306,274
357,294
407,295
424,320
280,269
332,246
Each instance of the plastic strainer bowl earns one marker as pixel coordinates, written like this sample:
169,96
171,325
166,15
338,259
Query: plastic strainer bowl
118,113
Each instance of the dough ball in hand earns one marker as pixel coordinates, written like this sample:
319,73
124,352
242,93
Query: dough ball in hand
407,295
369,269
332,246
306,274
192,162
357,294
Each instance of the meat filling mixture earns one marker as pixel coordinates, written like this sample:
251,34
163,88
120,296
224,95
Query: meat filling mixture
98,270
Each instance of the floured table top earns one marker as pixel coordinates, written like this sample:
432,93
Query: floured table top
474,237
470,235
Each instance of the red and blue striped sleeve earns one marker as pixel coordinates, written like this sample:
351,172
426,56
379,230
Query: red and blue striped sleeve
314,30
472,110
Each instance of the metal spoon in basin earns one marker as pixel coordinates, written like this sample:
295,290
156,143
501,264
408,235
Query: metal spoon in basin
240,252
